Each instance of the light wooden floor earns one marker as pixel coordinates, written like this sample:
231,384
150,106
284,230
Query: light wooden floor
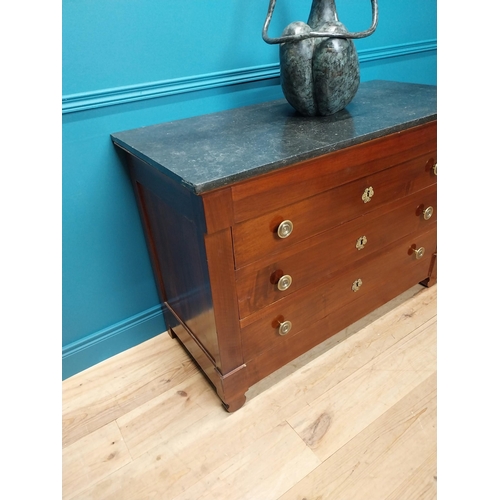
355,419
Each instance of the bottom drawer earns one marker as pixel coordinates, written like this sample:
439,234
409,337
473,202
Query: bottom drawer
290,348
361,287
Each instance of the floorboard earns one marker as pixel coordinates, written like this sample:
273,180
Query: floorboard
353,418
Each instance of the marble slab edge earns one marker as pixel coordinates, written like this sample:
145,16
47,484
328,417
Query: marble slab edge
267,168
263,169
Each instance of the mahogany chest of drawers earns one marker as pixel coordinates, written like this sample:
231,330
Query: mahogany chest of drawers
269,232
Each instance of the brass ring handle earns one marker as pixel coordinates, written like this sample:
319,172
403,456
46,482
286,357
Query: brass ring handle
356,285
419,252
367,195
284,283
427,213
285,327
285,229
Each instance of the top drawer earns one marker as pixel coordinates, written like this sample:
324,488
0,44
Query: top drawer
259,237
257,195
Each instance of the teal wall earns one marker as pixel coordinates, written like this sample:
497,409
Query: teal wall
131,63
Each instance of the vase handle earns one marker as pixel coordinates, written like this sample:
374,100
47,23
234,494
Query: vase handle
316,34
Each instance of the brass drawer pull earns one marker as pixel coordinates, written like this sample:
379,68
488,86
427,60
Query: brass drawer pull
427,213
284,282
356,285
285,229
419,252
285,327
435,169
367,195
361,242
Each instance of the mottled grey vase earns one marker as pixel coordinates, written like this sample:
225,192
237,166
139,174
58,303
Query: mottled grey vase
319,63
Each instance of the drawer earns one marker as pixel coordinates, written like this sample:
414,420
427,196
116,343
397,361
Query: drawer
291,184
323,255
260,331
291,347
258,237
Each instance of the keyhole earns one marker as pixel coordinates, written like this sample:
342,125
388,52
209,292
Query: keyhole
367,194
356,285
361,242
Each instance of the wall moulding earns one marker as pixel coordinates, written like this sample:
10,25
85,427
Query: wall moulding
110,97
98,346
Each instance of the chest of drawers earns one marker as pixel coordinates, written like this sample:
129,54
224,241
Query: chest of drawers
269,232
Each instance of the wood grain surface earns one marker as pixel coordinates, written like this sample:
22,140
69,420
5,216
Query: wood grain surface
354,418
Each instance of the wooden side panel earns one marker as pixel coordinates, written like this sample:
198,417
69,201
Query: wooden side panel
183,269
167,189
311,177
194,272
174,225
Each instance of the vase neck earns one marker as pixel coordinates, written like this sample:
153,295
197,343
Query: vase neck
322,11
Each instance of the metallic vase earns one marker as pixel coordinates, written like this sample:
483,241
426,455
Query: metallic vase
318,60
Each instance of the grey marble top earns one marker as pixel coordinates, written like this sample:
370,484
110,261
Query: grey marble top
210,151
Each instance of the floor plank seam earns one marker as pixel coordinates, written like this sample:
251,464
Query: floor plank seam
394,348
317,401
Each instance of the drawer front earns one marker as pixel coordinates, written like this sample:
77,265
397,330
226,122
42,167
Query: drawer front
259,237
256,196
316,259
360,282
289,348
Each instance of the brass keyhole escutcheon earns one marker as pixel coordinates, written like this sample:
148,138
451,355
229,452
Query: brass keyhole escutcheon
367,195
361,242
428,213
419,252
284,283
285,327
356,285
285,229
